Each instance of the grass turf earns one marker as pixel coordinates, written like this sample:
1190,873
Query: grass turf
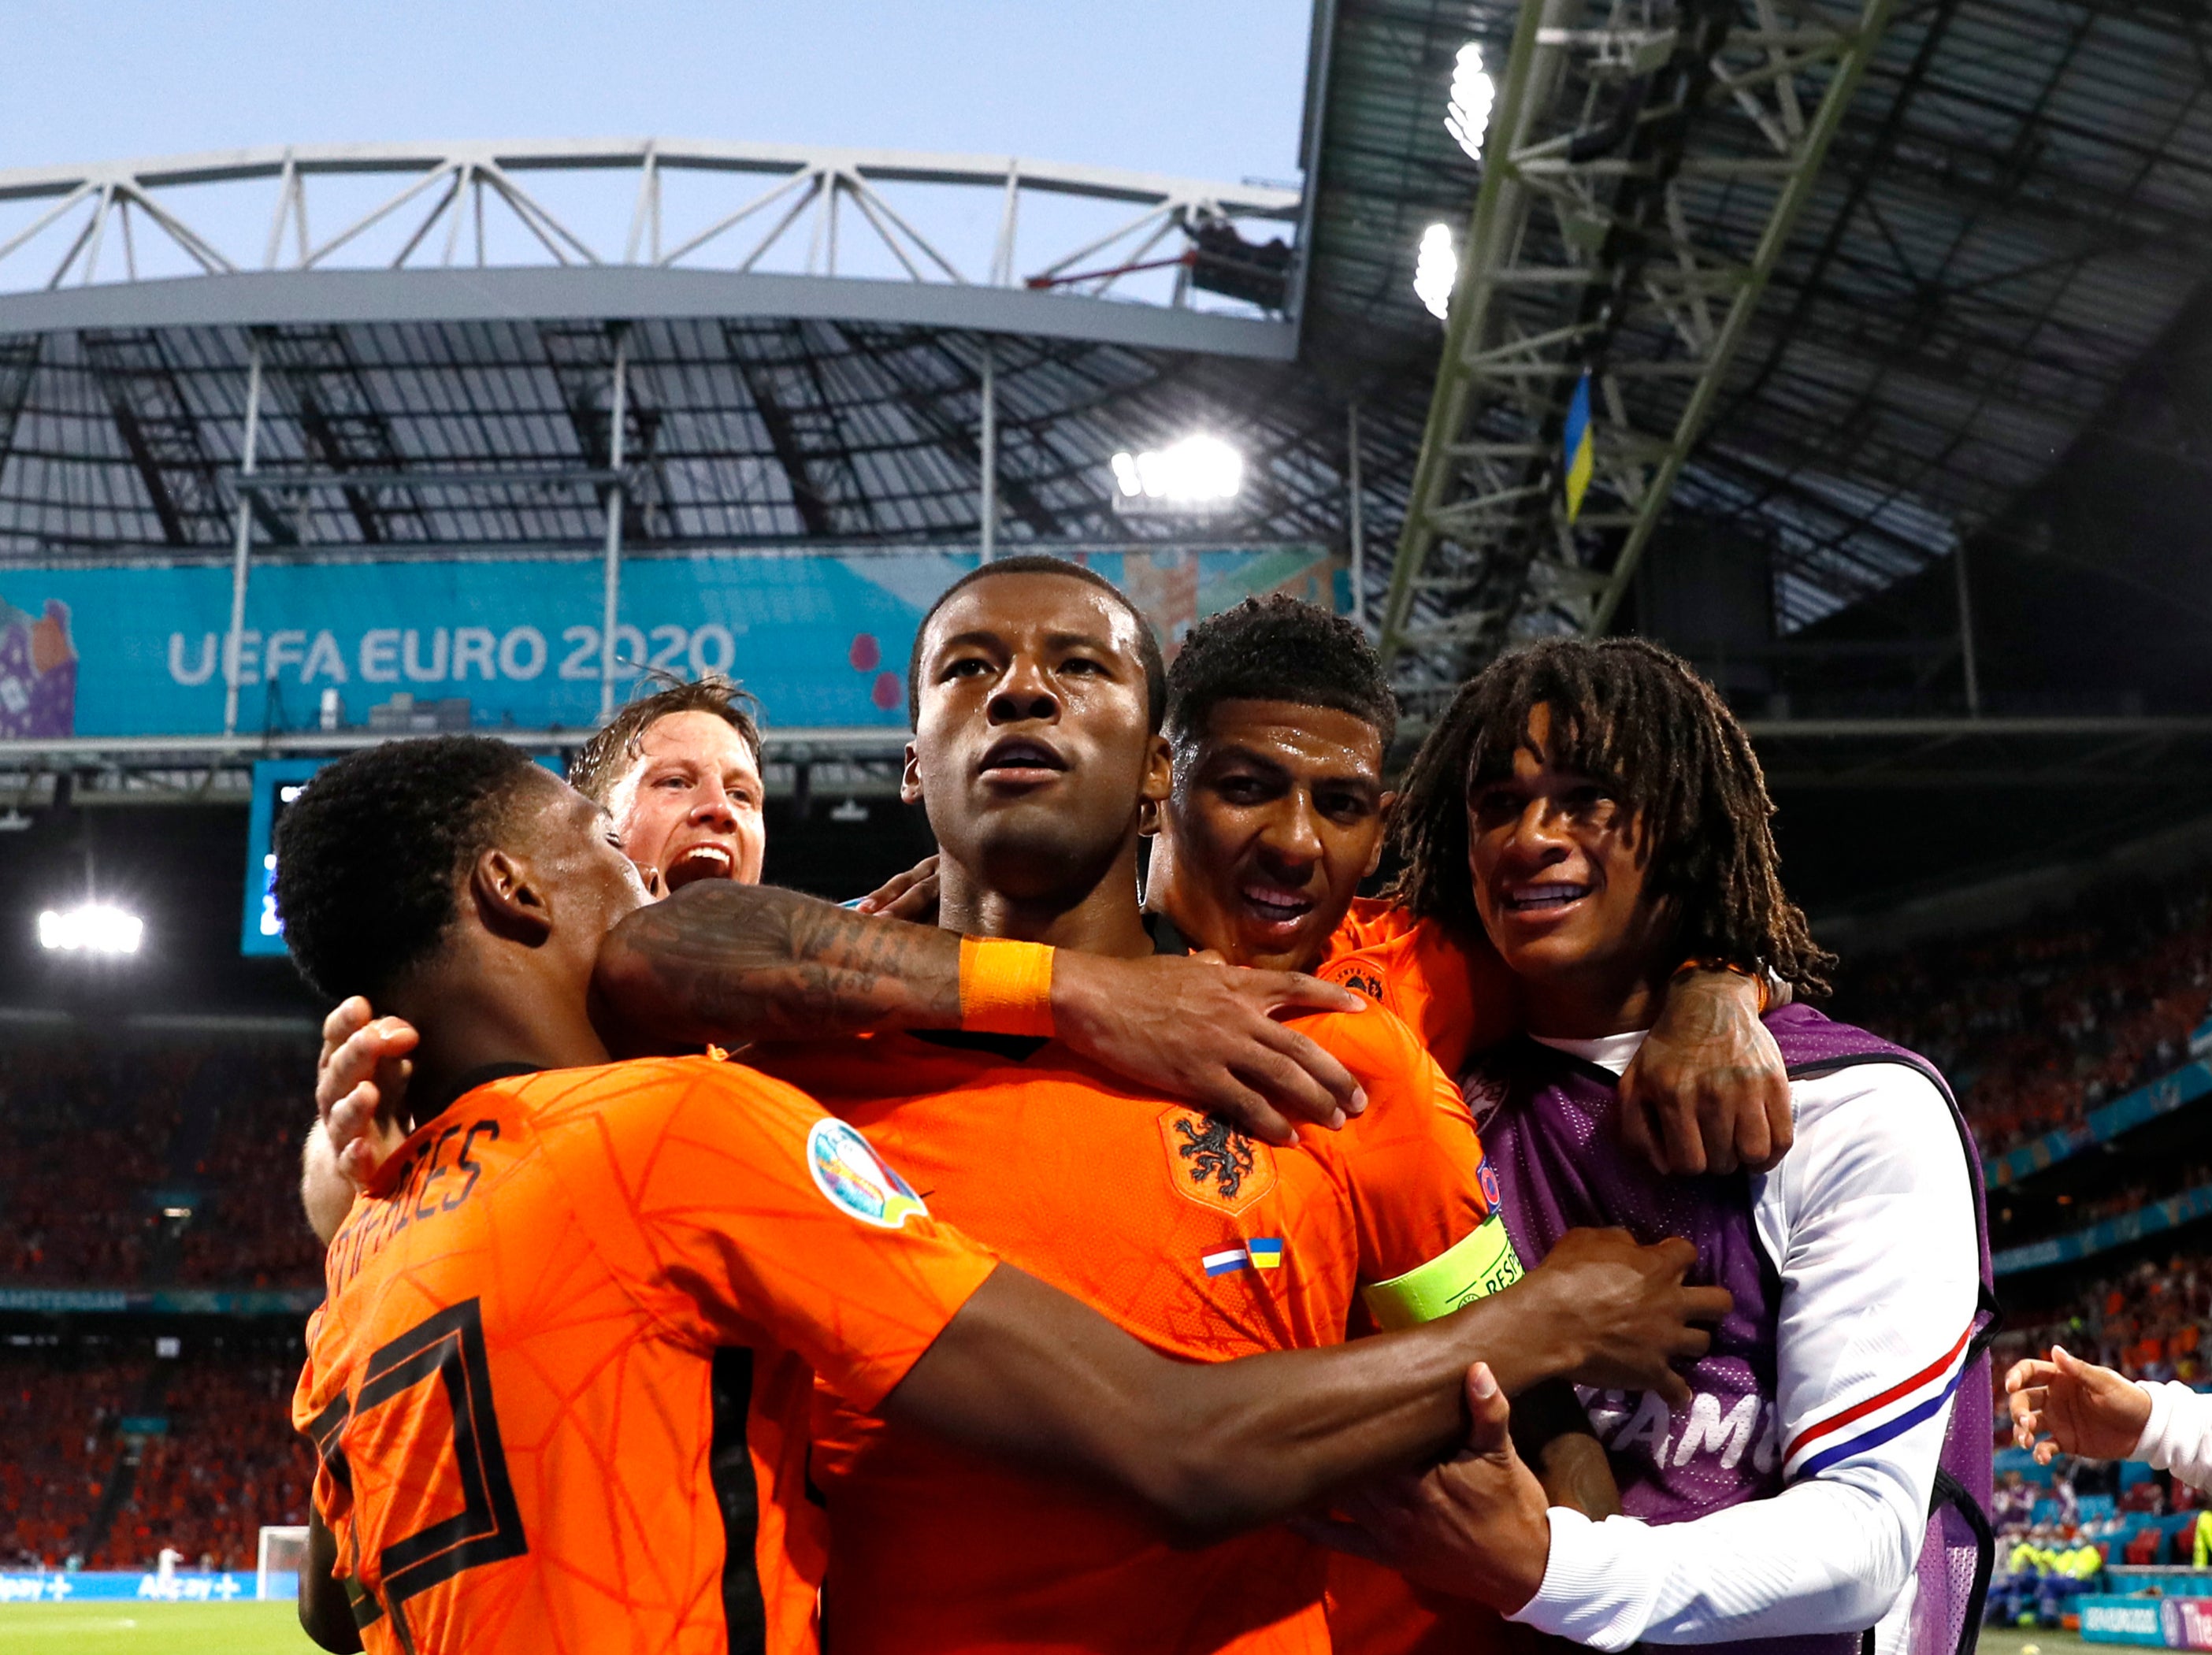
2023,1641
137,1628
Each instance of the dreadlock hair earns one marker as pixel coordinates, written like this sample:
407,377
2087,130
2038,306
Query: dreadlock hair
614,747
1148,642
1639,720
1277,648
369,856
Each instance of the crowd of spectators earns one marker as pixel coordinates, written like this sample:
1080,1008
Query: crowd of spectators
2038,1024
84,1128
58,1421
225,1463
2152,1320
153,1162
229,1464
250,1233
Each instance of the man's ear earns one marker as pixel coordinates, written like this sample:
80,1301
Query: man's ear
911,778
1159,773
509,898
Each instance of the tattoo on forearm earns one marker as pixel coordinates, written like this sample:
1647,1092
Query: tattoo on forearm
743,963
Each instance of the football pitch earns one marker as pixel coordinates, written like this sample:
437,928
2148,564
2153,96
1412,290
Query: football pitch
133,1629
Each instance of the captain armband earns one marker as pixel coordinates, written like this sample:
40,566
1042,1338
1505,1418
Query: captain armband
1474,1268
1005,988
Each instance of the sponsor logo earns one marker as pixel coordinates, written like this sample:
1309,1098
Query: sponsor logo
1212,1162
847,1169
1361,980
2186,1622
2138,1619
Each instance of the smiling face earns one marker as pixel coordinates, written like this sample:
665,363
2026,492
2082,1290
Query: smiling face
1276,815
1559,883
690,804
1033,744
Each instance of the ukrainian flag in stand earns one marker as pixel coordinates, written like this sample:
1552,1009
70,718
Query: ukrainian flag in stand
1579,448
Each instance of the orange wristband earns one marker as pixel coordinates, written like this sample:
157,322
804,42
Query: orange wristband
1765,994
1005,988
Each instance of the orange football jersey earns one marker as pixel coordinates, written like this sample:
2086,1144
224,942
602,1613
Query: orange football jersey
512,1387
1200,1241
1458,998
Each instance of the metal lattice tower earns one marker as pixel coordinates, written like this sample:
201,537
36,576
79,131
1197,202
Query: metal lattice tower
1593,249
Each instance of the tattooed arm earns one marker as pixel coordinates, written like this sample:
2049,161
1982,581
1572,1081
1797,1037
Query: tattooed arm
735,963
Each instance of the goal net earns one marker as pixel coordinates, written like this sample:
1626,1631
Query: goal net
284,1550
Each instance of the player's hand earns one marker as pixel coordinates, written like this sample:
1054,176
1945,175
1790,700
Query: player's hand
361,1086
1207,1033
1622,1312
1475,1526
1708,1091
911,896
2068,1406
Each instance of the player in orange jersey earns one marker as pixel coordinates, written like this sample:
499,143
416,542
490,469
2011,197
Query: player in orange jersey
1038,692
1279,715
507,1386
678,771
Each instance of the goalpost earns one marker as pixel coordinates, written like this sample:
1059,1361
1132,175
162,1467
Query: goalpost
284,1550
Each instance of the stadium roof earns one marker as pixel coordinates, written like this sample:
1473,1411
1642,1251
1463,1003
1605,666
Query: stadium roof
804,333
1984,329
2011,220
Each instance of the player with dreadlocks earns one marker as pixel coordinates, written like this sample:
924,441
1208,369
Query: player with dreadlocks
1421,951
1597,812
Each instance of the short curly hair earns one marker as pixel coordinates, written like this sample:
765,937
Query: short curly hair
606,758
1148,642
1277,648
369,856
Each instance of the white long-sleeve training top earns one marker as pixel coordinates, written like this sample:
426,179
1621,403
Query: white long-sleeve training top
1870,1225
2178,1437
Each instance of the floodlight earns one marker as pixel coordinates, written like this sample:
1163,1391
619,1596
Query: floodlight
1467,115
91,929
1435,270
1197,474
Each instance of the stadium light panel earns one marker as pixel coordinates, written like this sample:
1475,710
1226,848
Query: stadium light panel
1198,473
93,928
1466,114
1435,270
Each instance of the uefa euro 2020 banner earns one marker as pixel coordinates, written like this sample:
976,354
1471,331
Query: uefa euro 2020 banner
821,637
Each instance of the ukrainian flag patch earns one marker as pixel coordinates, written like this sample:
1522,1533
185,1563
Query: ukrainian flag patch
1264,1254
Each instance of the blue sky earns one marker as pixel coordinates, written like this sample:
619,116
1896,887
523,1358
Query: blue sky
1211,89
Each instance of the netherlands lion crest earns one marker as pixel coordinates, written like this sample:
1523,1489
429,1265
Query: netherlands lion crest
1212,1162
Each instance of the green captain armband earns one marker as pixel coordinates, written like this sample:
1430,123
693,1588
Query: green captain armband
1474,1268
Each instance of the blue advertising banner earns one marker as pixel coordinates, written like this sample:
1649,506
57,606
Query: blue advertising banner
821,638
117,1585
2109,1620
2147,1220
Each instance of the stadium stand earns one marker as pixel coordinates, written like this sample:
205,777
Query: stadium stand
229,1463
152,1161
114,1455
58,1421
2039,1024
